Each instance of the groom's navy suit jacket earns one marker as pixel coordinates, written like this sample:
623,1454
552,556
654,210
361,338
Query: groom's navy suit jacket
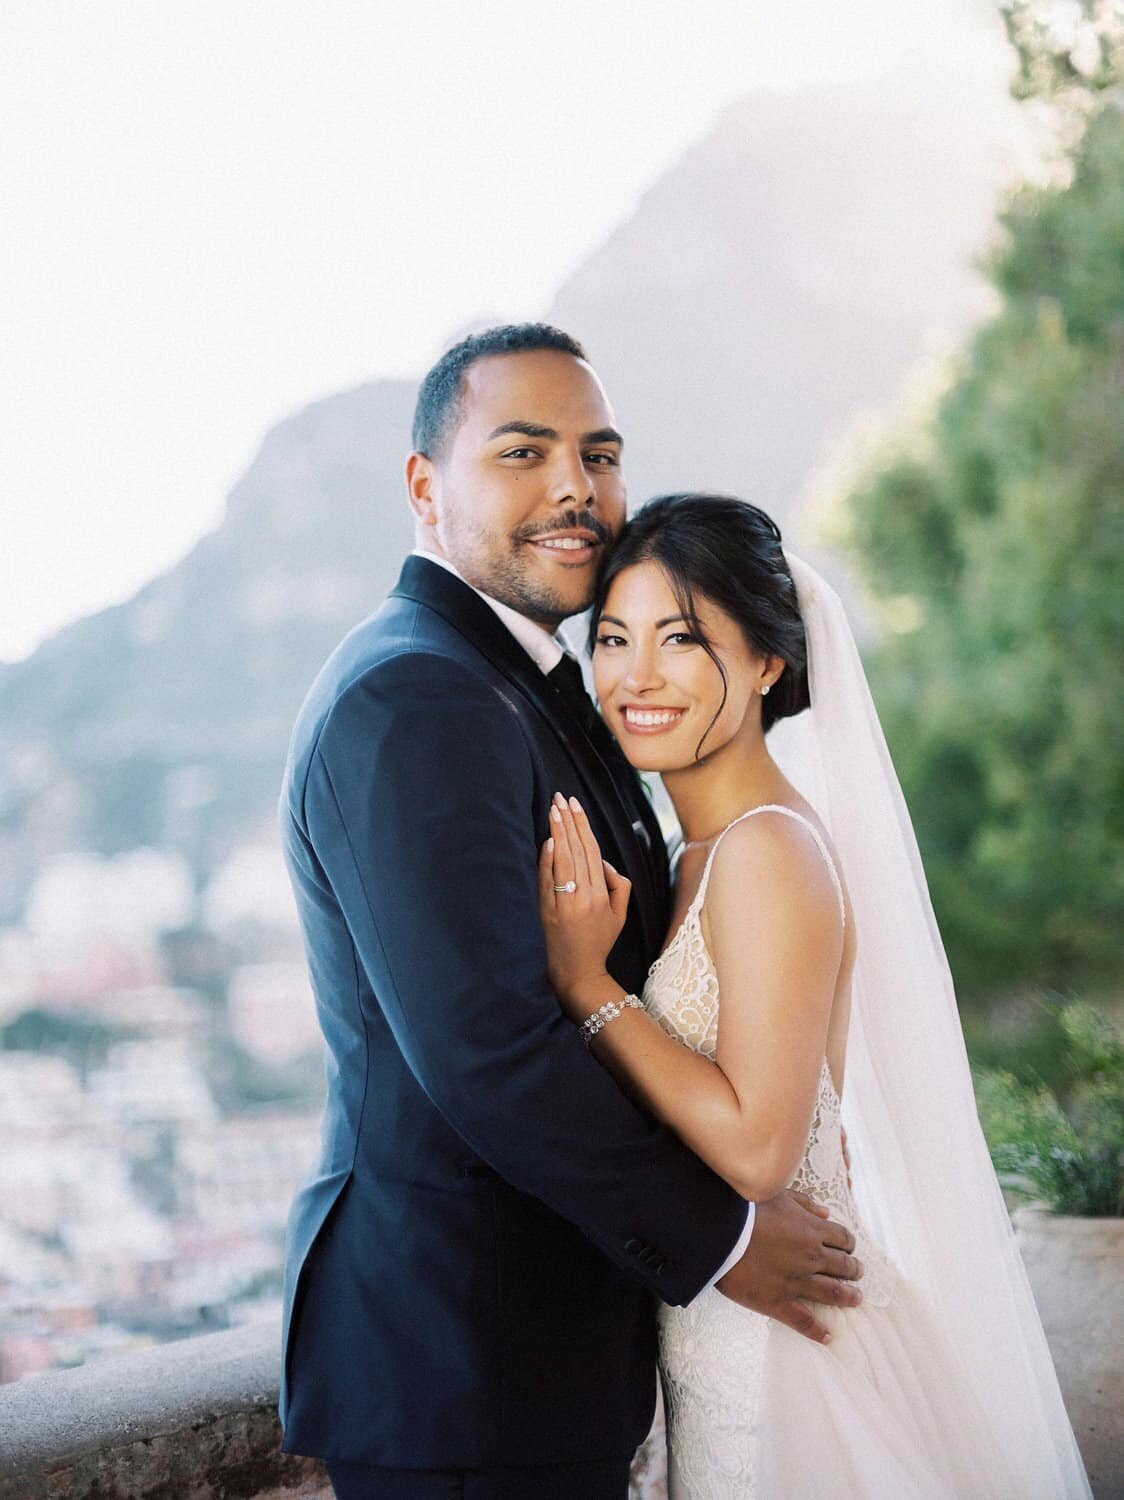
471,1267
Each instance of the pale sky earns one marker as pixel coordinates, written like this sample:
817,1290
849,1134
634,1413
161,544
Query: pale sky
215,212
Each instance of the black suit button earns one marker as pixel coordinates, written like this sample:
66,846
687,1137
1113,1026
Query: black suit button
633,1247
477,1169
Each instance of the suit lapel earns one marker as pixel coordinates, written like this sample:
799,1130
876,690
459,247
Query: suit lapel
636,833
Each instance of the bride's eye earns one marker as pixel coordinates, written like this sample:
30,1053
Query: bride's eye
610,640
682,638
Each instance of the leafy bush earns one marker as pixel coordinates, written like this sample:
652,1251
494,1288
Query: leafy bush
1067,1151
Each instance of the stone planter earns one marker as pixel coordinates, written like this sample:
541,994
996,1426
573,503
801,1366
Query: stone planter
1076,1269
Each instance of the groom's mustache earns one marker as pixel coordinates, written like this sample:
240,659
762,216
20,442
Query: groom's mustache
572,521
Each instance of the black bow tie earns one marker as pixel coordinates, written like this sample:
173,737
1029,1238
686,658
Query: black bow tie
567,678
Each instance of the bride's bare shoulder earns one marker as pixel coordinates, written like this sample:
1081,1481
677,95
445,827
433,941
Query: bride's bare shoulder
776,859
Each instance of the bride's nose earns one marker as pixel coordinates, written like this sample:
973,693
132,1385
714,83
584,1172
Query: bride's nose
643,670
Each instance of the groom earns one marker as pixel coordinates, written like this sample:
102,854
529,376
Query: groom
472,1270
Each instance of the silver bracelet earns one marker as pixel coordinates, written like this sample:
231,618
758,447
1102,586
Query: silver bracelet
607,1012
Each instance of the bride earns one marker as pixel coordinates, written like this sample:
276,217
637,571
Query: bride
803,967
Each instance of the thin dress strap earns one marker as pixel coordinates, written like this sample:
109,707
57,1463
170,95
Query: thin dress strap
789,813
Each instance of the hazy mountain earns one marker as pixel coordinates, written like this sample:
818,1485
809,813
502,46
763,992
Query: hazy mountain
784,275
780,276
165,720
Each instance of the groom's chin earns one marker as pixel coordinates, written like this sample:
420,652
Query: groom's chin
550,606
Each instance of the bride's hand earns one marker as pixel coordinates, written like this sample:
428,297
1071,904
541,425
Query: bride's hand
583,902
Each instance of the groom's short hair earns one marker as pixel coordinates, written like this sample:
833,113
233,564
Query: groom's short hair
440,411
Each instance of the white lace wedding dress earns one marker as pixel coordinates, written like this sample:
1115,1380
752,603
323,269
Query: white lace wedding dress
754,1411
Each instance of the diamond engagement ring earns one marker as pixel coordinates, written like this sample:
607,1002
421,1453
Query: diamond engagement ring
568,889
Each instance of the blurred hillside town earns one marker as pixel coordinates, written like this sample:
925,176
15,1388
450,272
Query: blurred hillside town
159,1089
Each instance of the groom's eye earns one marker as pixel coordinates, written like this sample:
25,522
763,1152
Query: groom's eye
520,453
603,460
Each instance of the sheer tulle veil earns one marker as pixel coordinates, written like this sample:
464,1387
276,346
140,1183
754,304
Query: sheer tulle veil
923,1178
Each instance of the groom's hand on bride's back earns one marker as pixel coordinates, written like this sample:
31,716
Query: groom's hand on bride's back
796,1254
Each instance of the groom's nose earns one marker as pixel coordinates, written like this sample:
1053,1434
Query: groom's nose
570,481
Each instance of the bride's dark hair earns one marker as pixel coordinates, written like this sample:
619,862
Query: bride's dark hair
724,550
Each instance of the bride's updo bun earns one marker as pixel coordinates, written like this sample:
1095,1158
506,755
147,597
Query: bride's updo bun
727,551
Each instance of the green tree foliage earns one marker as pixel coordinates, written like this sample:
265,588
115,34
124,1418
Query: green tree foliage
991,538
1065,48
81,1041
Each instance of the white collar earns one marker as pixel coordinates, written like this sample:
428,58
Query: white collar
544,649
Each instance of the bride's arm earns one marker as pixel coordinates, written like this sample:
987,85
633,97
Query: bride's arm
775,935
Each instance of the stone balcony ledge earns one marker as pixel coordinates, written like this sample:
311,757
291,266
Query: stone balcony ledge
197,1419
191,1420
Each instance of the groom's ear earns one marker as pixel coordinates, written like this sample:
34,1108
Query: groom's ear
420,488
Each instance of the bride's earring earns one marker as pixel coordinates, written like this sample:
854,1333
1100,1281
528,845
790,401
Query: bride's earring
765,688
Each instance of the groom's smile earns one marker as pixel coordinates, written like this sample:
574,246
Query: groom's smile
573,545
528,490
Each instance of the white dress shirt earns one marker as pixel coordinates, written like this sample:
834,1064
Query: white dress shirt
546,651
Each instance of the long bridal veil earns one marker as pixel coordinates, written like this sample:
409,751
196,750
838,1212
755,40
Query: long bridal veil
923,1178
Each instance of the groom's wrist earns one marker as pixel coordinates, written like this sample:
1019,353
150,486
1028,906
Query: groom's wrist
741,1245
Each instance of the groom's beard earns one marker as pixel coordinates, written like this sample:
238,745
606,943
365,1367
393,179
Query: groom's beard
516,582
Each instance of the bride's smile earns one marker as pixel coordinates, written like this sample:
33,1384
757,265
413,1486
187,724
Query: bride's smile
642,718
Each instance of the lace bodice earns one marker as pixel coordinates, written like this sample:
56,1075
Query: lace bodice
681,993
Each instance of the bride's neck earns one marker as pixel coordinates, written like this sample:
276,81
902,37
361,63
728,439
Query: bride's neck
709,795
